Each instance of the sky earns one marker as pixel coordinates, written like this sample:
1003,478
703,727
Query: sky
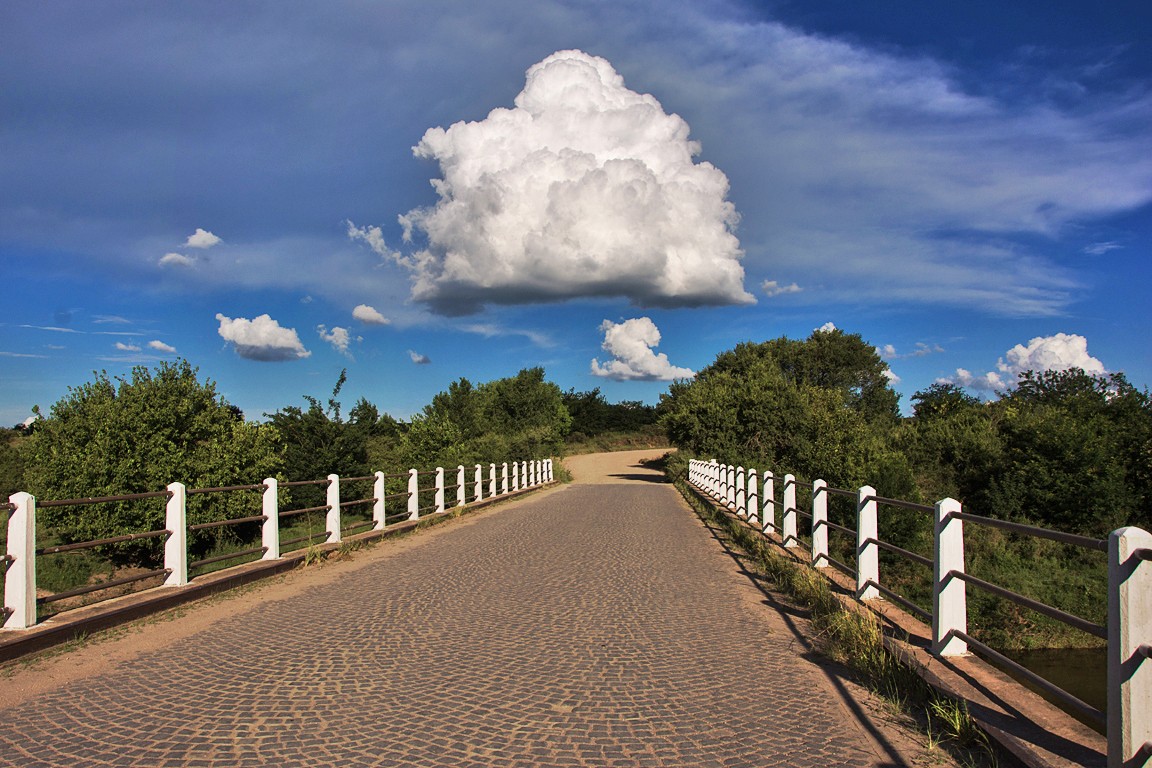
616,191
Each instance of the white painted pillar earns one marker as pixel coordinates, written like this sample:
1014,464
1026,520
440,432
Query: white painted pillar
332,519
768,508
1129,648
523,475
741,493
730,487
491,479
949,596
378,494
713,486
20,579
515,471
479,483
753,499
504,477
176,545
548,473
413,495
270,528
789,531
439,490
819,524
867,551
460,500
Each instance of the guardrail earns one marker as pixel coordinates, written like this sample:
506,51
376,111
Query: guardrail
1128,720
21,603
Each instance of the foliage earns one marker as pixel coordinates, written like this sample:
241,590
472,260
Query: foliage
138,434
592,415
510,419
13,461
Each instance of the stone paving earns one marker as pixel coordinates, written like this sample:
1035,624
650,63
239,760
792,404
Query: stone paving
598,625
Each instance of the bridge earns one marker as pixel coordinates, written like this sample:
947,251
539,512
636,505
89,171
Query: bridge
600,623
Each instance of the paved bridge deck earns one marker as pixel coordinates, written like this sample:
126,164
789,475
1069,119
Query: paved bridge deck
599,624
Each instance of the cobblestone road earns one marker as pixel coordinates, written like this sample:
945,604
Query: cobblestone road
597,625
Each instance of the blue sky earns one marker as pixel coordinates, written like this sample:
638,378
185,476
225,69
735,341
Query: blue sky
423,191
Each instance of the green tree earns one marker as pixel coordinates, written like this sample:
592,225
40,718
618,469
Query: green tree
138,434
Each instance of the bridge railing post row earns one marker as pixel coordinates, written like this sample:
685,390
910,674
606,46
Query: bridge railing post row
753,499
790,531
439,497
332,518
460,500
768,507
479,480
413,494
1129,709
176,545
20,579
949,594
741,493
819,524
270,508
867,548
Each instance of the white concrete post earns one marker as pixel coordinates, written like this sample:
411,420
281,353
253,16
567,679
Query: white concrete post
332,519
753,499
741,493
378,494
768,508
413,495
819,524
531,473
439,490
515,472
504,478
460,500
270,528
713,479
867,551
730,487
548,476
789,532
949,597
523,475
491,479
479,483
1129,645
536,472
176,545
20,580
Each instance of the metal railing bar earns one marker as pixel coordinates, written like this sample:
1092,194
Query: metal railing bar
7,559
357,501
357,479
1071,620
299,539
847,569
222,488
402,476
228,556
1145,651
361,524
102,585
845,529
841,492
901,503
900,599
304,511
900,551
8,506
393,496
1143,554
222,523
1100,545
1085,709
101,542
105,499
297,483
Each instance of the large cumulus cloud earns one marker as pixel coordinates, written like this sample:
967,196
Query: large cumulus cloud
1058,352
584,188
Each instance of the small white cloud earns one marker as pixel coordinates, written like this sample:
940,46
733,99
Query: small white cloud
160,346
826,328
888,351
369,316
772,288
891,376
176,260
1099,249
1043,353
201,238
306,300
262,339
630,343
418,358
338,337
127,347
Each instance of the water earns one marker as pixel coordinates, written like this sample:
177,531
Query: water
1083,672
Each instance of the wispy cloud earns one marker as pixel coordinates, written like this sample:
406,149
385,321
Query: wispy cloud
160,346
338,337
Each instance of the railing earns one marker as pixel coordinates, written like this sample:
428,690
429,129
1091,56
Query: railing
1128,720
19,562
